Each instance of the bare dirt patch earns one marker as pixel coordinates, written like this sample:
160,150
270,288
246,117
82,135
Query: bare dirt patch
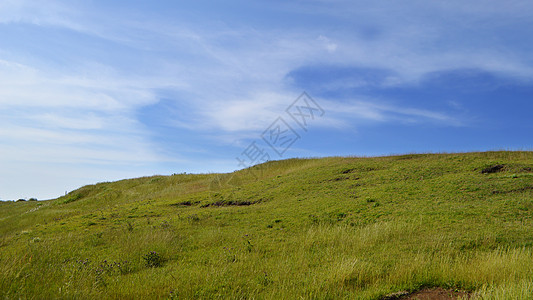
429,294
493,169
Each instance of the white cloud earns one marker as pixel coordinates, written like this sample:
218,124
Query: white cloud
377,111
328,44
250,114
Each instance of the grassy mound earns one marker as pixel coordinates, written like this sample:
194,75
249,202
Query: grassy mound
340,227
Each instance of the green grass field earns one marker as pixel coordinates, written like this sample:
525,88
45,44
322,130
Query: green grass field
329,228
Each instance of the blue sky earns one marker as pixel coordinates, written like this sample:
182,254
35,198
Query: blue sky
95,91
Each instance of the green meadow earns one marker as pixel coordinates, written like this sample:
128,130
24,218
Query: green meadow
326,228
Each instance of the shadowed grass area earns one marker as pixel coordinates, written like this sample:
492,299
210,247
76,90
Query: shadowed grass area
339,227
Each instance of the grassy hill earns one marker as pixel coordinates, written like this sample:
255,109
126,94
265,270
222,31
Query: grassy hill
340,227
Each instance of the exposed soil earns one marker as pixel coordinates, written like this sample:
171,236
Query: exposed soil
184,203
523,189
230,203
346,171
493,169
429,294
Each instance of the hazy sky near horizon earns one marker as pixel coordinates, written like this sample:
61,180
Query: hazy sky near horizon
95,91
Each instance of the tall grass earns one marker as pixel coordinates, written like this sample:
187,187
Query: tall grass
354,228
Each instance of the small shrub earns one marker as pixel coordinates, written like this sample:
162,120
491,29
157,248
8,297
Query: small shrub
106,269
173,295
165,224
249,246
193,218
264,279
231,257
153,259
154,180
73,198
130,226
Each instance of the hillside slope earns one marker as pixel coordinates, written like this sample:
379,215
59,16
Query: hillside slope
340,227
